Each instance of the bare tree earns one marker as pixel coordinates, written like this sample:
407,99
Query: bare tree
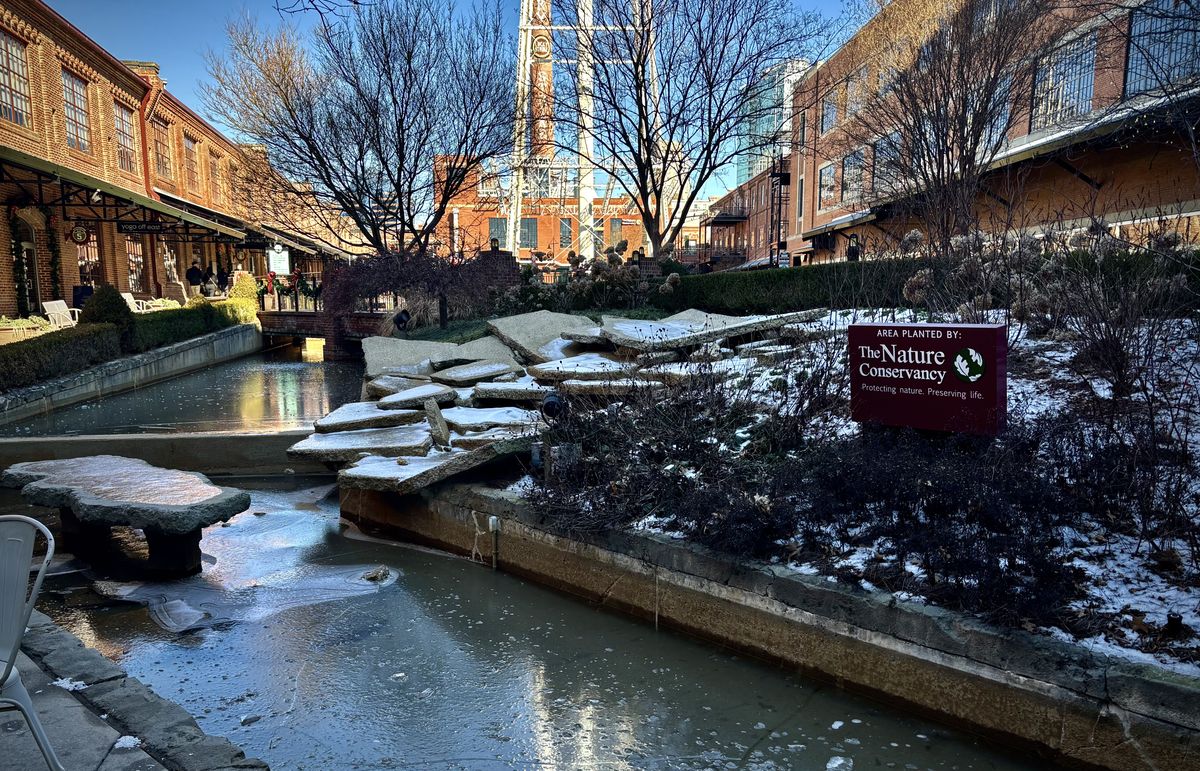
382,117
939,114
675,91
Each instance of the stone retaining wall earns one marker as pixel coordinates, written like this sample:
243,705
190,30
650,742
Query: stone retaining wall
169,734
1028,691
131,372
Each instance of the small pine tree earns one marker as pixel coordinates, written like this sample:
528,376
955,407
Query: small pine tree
244,288
106,306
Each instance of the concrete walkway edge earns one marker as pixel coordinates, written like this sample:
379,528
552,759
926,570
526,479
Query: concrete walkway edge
168,733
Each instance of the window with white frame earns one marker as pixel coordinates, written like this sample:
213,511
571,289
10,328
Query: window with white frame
75,111
191,163
1065,84
126,155
799,202
829,113
1164,46
14,80
826,186
853,166
88,256
885,169
856,91
137,264
162,148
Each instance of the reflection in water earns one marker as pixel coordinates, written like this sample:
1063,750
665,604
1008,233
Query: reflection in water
450,665
282,388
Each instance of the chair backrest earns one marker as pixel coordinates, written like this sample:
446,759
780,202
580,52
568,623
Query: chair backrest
56,306
130,300
17,535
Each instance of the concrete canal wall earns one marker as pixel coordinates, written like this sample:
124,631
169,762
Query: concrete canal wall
209,453
131,372
1056,699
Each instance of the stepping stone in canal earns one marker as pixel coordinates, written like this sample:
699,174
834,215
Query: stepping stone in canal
538,336
474,439
356,415
382,353
345,446
408,475
527,391
586,366
413,398
691,328
619,387
99,492
386,385
466,419
470,374
684,371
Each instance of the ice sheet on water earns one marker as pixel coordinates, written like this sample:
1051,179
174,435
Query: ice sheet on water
256,576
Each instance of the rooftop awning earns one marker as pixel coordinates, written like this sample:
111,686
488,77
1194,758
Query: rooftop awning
83,190
855,218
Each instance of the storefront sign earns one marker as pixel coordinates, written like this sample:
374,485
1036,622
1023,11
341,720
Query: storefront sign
278,260
80,234
141,227
938,377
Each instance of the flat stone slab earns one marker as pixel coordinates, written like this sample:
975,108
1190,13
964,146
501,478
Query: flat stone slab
475,439
357,415
592,335
685,371
511,392
386,385
586,366
618,387
110,490
345,446
382,353
691,328
411,474
539,336
465,419
416,396
470,374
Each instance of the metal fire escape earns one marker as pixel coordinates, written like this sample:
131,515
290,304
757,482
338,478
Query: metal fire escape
781,180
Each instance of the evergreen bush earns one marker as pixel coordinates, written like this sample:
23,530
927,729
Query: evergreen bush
56,354
244,288
868,284
107,306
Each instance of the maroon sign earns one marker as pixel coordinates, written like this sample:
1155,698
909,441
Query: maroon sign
939,377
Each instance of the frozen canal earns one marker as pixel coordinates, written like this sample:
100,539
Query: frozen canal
282,646
282,388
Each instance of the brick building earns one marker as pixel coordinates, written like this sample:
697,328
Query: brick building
1089,141
107,178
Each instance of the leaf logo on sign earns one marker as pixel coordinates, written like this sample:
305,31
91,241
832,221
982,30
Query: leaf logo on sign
968,365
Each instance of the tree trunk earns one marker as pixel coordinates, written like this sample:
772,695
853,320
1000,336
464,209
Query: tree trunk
443,311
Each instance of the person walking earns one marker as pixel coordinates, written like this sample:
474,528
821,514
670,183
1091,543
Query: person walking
222,279
195,278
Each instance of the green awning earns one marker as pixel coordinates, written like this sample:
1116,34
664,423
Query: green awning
41,166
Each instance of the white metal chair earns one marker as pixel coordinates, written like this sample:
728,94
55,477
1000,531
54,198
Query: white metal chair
60,314
135,305
17,536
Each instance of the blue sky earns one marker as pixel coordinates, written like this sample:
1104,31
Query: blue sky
178,34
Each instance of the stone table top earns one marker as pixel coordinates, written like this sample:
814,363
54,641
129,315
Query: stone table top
109,489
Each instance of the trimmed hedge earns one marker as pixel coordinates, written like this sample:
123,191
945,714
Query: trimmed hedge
55,354
868,284
159,328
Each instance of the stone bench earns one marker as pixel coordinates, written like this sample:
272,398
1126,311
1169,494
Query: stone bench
99,492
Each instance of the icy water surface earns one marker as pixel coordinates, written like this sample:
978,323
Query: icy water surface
282,388
295,657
